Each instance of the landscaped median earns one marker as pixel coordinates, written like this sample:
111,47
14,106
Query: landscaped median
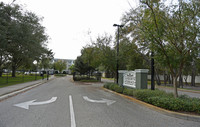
160,98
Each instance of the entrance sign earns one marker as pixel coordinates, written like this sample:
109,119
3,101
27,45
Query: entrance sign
133,79
129,79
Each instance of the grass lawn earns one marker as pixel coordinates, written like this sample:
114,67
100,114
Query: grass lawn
89,80
8,81
60,75
108,78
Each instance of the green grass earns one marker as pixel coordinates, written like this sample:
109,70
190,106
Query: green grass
60,75
89,80
8,81
108,78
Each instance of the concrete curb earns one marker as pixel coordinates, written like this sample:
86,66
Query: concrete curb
21,90
161,110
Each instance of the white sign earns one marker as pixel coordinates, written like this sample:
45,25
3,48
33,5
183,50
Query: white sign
129,79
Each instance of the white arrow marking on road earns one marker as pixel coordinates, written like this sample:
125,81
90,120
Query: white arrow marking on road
26,105
108,102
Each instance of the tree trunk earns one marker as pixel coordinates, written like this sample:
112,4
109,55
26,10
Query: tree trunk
193,79
180,81
13,71
175,86
172,81
169,79
1,72
193,75
157,77
186,83
158,80
165,78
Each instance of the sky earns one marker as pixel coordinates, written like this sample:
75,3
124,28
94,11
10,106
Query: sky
69,22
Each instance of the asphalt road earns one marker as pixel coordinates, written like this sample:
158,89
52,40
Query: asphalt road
62,103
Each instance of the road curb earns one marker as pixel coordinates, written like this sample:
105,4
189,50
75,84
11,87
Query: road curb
161,110
21,90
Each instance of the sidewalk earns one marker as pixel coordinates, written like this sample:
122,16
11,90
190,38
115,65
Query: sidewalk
10,89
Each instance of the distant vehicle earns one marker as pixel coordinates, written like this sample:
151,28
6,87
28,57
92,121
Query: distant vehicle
51,72
35,72
26,73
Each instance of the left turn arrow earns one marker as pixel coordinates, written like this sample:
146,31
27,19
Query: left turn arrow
26,105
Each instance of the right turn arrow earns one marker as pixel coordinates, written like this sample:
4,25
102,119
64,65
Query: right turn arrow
108,102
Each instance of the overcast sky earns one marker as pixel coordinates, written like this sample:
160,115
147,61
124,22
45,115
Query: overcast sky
68,22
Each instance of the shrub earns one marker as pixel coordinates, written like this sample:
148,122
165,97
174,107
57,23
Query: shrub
146,93
128,91
60,75
112,87
118,89
176,104
160,98
88,80
106,85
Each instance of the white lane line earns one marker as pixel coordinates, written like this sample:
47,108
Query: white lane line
73,122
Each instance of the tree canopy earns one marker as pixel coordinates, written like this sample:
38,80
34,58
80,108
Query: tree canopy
170,31
60,65
23,38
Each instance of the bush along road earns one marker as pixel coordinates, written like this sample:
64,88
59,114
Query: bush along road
160,99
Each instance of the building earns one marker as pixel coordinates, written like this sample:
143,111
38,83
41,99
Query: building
69,63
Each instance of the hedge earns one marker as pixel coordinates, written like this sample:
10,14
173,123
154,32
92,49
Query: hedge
160,98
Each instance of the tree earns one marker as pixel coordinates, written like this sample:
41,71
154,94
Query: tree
99,55
60,65
130,57
90,56
3,37
45,59
72,68
24,38
106,53
80,66
172,32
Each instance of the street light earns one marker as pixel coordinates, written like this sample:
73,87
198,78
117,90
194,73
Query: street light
118,26
48,74
35,63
